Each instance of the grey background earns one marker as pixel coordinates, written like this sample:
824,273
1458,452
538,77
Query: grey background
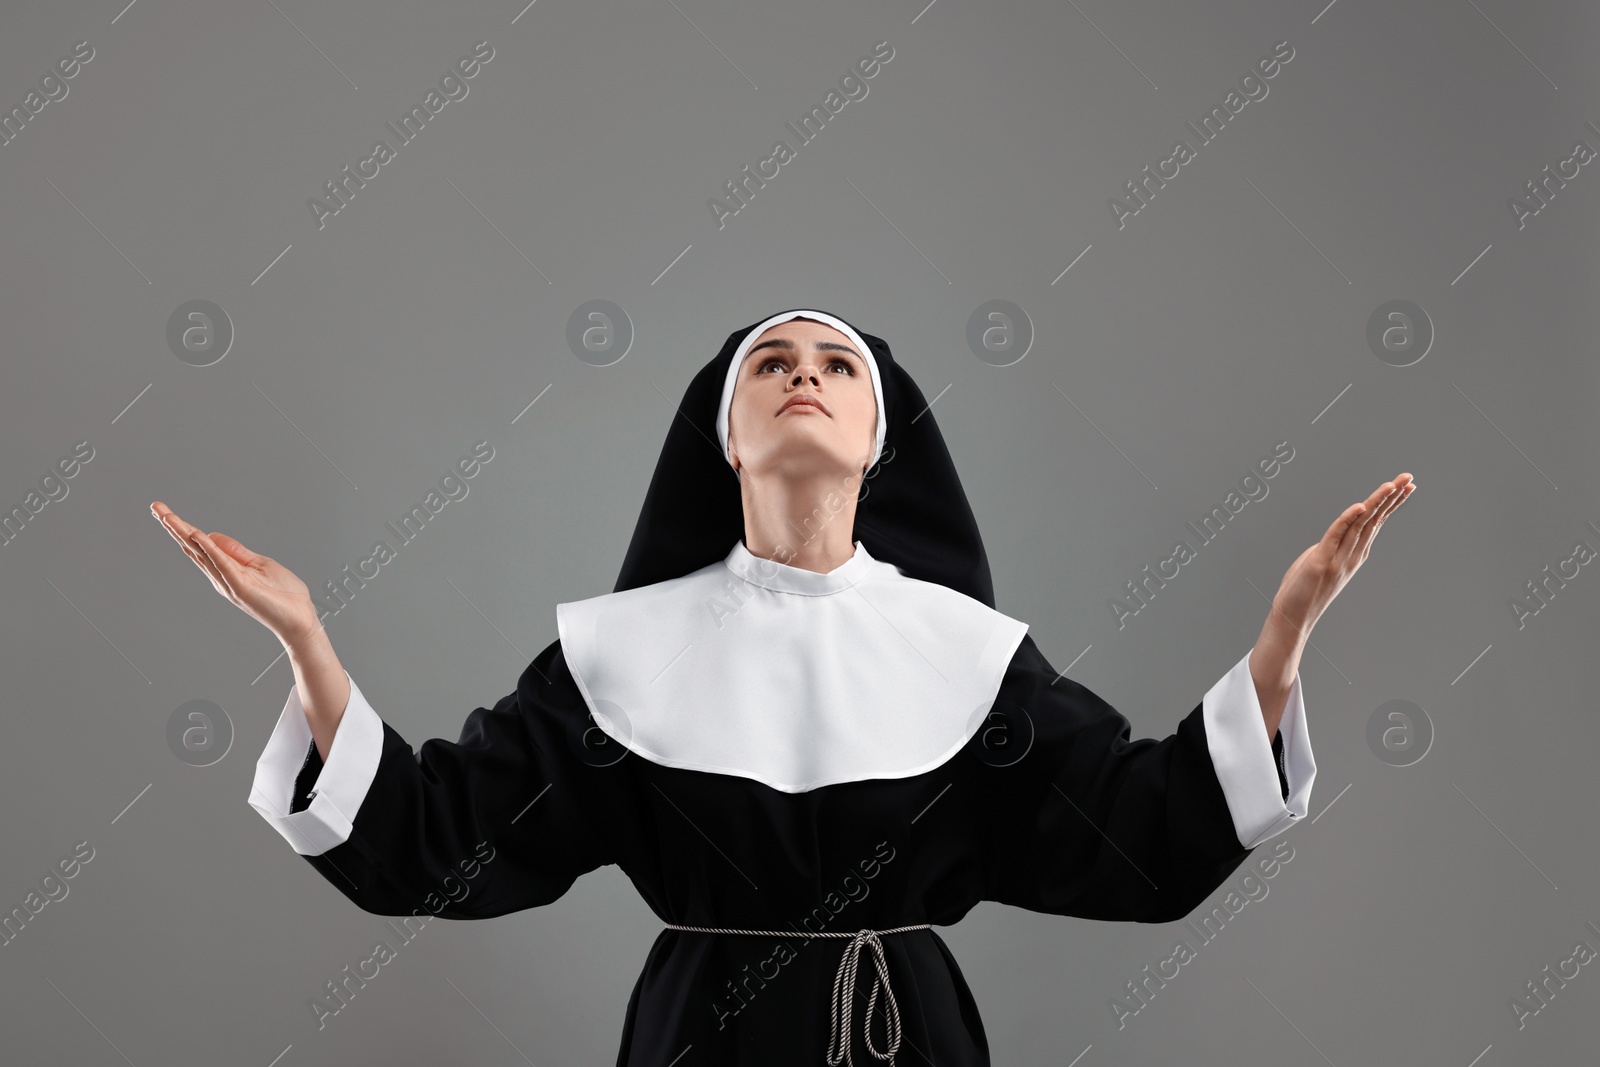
1227,316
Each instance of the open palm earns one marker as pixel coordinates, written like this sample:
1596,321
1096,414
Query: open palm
1322,570
258,585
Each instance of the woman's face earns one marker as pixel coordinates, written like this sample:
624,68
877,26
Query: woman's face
802,358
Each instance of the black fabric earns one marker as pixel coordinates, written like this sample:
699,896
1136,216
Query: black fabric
1283,771
915,516
1120,829
1050,807
466,829
309,770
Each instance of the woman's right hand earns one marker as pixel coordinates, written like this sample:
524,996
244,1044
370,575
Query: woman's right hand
258,585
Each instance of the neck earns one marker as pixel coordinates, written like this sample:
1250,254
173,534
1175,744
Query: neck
806,523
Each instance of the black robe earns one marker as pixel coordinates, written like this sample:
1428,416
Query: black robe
1050,807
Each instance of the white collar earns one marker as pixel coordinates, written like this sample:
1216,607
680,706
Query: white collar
794,678
770,574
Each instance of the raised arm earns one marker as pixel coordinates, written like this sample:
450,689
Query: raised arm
490,823
493,822
1093,823
1097,824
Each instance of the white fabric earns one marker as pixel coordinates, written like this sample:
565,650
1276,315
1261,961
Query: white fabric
346,775
795,678
1241,752
790,677
726,403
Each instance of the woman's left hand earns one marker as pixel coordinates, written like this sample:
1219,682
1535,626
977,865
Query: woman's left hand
1322,570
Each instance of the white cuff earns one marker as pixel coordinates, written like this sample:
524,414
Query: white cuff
346,775
1241,752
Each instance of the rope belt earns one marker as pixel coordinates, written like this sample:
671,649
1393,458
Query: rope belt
844,987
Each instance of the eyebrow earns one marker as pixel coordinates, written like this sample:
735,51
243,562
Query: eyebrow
785,343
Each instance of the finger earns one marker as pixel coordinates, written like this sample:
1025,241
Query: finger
208,568
198,558
1383,491
178,536
170,519
171,530
179,531
194,553
162,514
220,562
1336,532
1396,496
1395,499
235,548
1374,506
183,533
184,543
226,564
1350,544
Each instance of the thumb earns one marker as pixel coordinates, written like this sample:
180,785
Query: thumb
234,548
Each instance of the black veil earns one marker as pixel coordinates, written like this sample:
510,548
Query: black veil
912,513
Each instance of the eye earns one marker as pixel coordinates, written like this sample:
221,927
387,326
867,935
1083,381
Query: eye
836,361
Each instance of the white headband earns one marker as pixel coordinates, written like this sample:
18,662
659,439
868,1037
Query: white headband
750,338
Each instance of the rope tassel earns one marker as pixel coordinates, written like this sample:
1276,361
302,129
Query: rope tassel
844,989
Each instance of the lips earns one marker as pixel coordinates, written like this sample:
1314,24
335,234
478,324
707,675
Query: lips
806,399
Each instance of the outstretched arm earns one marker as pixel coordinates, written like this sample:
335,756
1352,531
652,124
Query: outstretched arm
396,829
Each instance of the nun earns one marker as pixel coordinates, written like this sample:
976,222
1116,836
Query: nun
801,727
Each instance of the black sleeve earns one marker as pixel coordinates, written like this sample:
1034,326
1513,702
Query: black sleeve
1277,756
469,829
1091,823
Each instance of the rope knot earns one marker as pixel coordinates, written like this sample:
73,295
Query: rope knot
844,987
